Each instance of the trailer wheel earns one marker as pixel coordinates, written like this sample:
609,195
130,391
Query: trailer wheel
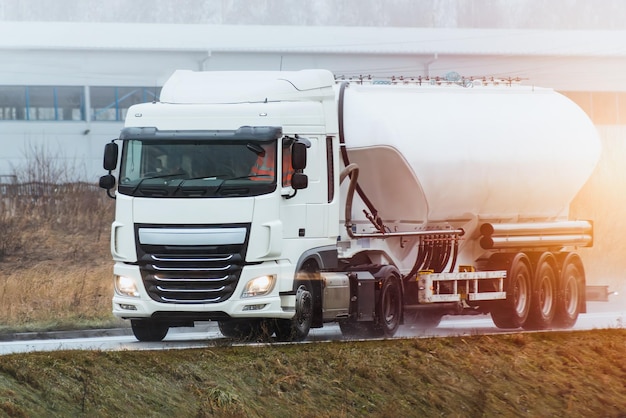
513,311
571,295
544,295
297,328
149,330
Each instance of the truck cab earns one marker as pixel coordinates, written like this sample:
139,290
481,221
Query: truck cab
215,216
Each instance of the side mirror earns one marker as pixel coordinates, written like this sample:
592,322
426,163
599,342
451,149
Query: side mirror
107,181
299,181
110,156
298,156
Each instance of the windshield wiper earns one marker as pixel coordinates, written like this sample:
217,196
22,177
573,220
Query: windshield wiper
162,176
212,178
249,176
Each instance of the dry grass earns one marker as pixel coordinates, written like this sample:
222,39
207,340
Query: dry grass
55,267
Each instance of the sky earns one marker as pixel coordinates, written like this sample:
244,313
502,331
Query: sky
502,14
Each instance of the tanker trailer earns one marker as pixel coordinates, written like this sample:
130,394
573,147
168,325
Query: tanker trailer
472,180
370,205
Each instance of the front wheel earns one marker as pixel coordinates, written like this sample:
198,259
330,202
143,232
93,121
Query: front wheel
149,330
297,328
246,329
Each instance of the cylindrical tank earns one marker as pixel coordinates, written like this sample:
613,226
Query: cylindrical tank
443,153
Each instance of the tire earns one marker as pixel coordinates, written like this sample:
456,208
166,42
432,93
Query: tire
571,293
388,314
353,329
425,319
246,330
389,310
365,329
544,295
514,310
297,328
149,330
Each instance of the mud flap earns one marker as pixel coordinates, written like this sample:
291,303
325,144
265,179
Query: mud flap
597,293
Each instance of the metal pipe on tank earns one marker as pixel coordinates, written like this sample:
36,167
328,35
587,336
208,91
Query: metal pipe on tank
534,241
537,228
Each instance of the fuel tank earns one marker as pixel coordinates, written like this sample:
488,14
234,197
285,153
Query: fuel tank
442,153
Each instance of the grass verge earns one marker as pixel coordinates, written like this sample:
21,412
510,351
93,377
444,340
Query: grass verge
575,374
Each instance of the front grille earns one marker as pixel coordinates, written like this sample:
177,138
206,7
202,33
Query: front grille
190,274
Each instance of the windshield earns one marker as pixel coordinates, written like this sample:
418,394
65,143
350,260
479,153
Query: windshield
197,167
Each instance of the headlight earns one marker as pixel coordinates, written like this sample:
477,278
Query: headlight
126,286
259,286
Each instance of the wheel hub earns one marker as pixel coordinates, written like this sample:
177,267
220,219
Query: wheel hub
304,305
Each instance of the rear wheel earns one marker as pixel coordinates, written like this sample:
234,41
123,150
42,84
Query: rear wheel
571,294
513,311
149,329
543,300
425,319
388,313
390,308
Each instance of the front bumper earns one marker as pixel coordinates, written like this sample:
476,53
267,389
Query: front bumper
272,305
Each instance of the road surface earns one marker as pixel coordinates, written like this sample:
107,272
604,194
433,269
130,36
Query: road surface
600,315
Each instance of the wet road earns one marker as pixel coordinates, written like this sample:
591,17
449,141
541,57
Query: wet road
600,315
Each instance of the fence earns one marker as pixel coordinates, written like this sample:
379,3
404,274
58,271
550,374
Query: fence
37,189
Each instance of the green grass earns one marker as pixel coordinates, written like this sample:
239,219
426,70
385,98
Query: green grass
575,374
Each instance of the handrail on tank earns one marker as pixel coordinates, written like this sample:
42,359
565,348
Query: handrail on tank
448,79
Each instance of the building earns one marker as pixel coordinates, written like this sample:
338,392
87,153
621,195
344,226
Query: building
68,75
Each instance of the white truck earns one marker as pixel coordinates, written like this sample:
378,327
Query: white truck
380,202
